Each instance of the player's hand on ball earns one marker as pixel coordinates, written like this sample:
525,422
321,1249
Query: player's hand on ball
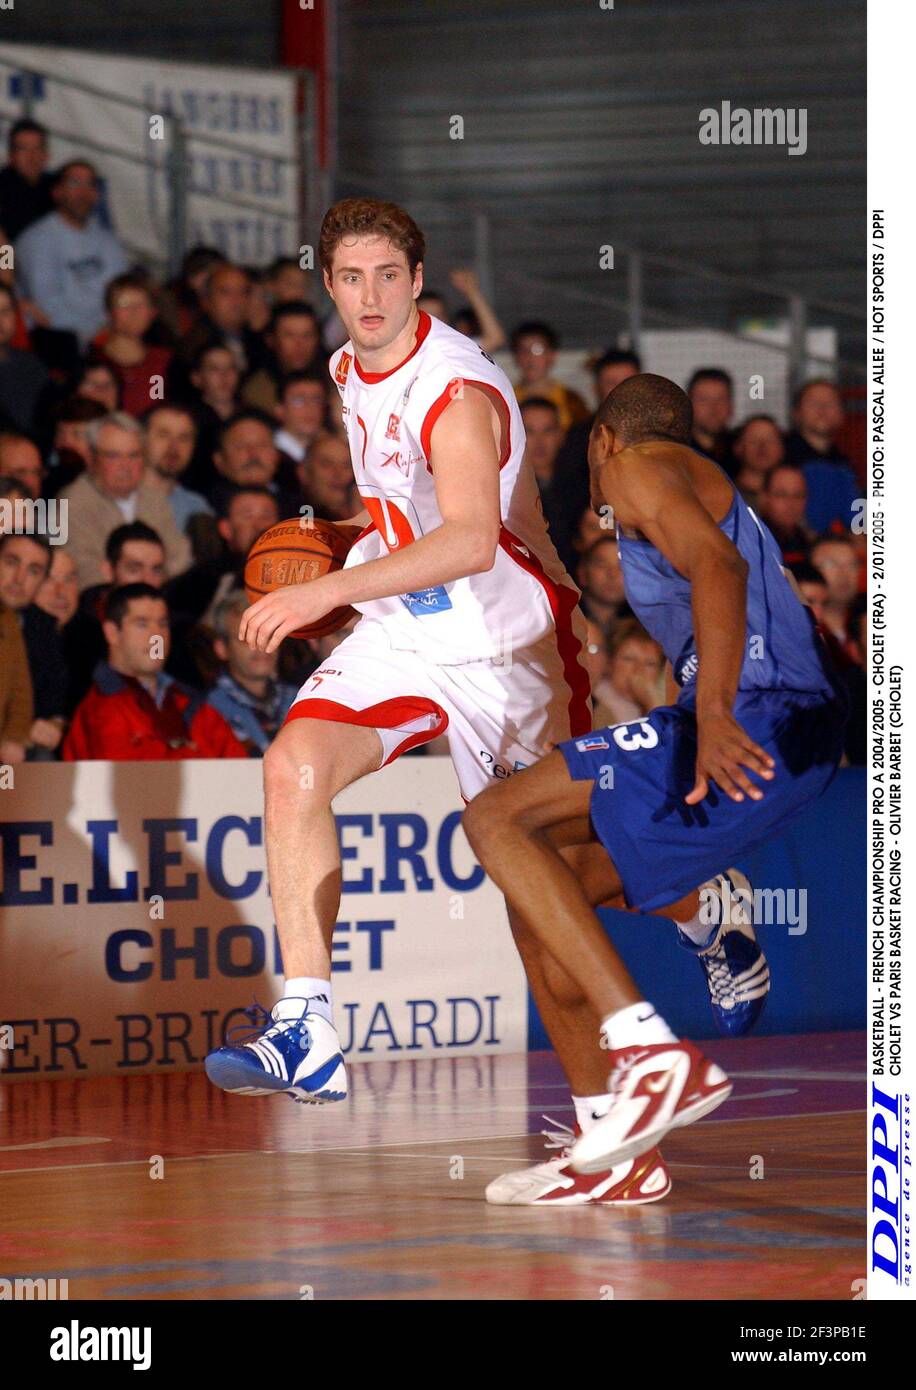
277,614
724,750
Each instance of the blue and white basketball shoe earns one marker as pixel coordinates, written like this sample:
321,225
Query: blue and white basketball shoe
293,1051
737,974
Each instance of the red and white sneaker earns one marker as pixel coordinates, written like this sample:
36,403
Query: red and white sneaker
656,1089
555,1184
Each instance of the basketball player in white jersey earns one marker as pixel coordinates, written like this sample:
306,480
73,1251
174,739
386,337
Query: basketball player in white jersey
469,628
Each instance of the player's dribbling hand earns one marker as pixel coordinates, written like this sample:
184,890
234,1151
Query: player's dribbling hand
264,625
724,750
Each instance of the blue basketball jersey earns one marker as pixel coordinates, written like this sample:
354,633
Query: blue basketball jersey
782,650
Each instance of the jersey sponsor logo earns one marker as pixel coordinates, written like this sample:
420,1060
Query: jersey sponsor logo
498,769
343,369
589,745
394,428
495,768
424,601
689,669
403,465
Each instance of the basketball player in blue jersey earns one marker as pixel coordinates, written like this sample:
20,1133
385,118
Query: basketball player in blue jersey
754,737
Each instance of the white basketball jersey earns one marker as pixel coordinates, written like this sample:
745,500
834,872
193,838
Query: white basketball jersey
389,417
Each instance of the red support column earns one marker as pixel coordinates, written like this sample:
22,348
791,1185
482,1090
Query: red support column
304,44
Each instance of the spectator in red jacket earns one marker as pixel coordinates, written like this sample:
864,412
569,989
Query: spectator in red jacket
140,366
134,711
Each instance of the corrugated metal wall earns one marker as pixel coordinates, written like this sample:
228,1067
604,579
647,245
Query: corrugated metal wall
246,32
581,129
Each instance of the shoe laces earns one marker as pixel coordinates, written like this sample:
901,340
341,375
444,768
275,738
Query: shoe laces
560,1138
261,1021
621,1068
719,974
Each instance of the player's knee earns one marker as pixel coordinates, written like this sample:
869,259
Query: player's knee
290,764
278,766
481,820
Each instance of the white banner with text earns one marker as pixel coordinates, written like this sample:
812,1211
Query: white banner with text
136,922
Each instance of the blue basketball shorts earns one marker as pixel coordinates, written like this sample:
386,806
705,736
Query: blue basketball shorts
661,847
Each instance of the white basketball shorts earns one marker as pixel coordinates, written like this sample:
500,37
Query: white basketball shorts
498,715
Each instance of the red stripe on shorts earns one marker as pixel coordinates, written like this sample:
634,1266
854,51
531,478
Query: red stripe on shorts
563,602
387,714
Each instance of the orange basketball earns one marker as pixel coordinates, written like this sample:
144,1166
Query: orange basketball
294,552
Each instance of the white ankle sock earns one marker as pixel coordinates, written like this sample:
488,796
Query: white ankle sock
701,927
317,992
590,1109
638,1025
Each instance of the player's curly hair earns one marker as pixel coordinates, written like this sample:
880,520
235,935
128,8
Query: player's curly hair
370,217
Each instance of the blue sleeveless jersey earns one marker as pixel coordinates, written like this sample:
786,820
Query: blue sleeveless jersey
782,650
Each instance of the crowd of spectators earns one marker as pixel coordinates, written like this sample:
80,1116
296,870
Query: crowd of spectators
800,483
179,421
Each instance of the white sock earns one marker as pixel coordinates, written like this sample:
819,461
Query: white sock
702,926
317,992
638,1025
590,1109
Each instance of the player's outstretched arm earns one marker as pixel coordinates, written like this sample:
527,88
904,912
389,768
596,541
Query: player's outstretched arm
660,502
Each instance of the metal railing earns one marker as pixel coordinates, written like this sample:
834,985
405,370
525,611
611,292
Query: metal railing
633,309
175,163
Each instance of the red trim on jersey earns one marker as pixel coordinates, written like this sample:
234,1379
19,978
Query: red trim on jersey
448,395
360,421
563,601
387,714
370,378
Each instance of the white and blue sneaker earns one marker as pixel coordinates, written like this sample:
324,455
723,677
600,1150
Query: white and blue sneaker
292,1051
736,970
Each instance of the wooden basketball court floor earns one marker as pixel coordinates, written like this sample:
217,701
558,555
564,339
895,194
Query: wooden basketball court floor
381,1197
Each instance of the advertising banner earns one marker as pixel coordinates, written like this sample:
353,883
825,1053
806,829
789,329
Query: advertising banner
252,108
136,922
